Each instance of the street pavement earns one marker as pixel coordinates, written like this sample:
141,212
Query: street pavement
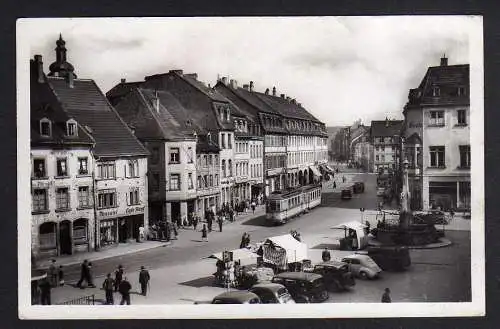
182,274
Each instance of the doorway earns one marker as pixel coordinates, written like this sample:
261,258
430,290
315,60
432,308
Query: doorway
65,238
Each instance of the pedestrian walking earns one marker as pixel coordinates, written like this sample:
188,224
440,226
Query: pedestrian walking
61,275
253,207
91,276
386,297
53,273
124,290
204,233
144,280
343,179
108,285
195,222
118,276
334,185
325,255
85,275
219,221
243,240
45,287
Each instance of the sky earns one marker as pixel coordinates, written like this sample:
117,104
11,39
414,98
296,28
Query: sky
340,68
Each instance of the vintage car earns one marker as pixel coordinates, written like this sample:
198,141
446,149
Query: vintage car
272,293
346,193
336,274
304,287
390,258
362,266
236,297
359,187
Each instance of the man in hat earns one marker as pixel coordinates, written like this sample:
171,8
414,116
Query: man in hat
108,286
124,290
144,280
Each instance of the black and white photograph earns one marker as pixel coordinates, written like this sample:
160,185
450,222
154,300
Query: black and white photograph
169,165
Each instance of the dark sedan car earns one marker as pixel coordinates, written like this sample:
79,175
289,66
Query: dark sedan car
336,275
359,187
346,194
236,297
304,287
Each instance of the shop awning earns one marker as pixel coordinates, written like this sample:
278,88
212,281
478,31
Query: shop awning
315,171
295,251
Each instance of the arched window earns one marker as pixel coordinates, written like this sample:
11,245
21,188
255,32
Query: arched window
47,235
80,231
45,127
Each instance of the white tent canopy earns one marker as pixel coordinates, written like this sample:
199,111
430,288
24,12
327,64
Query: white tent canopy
244,255
360,232
295,251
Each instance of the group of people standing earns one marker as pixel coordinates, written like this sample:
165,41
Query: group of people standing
121,284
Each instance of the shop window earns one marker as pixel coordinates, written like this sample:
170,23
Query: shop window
216,180
190,181
223,141
174,155
83,197
62,167
437,154
62,199
39,168
80,232
464,156
175,182
45,127
106,198
83,166
40,200
47,235
106,170
133,197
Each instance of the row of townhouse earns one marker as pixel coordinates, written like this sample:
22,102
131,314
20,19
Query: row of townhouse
160,149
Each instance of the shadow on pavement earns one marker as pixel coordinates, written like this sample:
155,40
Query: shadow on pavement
207,281
329,246
258,221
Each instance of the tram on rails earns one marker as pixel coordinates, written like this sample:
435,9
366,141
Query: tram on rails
284,205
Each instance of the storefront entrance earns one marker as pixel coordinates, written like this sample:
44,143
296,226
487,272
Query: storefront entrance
443,195
65,238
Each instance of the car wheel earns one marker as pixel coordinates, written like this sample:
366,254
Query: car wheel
363,275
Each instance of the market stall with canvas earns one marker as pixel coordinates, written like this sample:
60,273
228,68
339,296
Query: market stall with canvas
283,252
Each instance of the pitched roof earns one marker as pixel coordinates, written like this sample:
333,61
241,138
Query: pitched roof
447,78
386,128
116,93
87,104
287,108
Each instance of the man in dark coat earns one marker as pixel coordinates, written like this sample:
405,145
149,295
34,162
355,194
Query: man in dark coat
108,286
386,297
85,275
219,221
118,276
144,280
45,288
325,255
124,290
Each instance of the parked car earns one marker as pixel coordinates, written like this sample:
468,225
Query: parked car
362,266
346,194
236,297
272,293
359,187
304,287
380,191
390,258
336,275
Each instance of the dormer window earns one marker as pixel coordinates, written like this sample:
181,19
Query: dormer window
461,91
227,115
71,128
45,127
436,92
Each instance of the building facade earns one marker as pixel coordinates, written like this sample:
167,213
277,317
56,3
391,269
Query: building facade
437,138
385,138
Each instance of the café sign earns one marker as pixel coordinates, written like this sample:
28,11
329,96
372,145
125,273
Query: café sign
134,210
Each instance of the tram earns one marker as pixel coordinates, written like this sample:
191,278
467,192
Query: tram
284,205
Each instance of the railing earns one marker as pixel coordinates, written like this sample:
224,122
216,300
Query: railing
85,300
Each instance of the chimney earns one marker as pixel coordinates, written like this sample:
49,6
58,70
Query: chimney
123,80
282,96
70,78
294,101
299,104
444,61
274,91
233,84
39,68
224,80
267,91
245,87
251,85
288,98
192,75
